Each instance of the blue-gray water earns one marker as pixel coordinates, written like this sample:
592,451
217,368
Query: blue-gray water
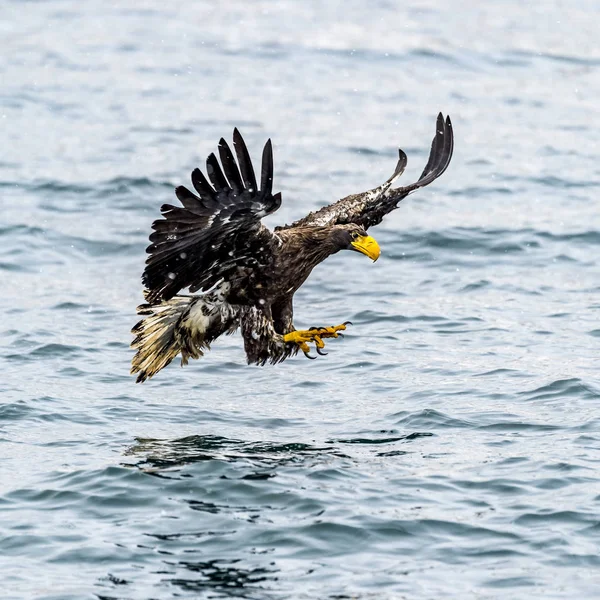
448,447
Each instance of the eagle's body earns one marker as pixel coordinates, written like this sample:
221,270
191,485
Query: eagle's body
246,273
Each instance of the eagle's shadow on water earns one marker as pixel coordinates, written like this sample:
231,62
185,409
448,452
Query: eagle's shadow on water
222,576
237,576
162,458
227,578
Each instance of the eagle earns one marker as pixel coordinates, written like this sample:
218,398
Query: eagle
245,273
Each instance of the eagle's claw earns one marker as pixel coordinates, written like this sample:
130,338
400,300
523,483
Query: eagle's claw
333,331
319,343
316,335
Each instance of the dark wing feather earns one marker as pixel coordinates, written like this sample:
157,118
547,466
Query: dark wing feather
266,176
369,208
217,231
231,170
204,189
215,174
244,161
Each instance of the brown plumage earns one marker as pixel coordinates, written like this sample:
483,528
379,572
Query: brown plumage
247,274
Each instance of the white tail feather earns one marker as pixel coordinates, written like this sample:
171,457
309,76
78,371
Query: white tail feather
182,325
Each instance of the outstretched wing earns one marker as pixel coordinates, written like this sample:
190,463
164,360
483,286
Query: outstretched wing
369,208
218,230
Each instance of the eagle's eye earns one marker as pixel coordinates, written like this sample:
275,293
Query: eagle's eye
354,235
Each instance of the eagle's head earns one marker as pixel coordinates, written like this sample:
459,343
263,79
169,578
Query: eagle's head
354,237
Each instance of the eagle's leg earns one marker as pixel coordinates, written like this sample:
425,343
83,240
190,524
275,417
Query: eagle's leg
303,337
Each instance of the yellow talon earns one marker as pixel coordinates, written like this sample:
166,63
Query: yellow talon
316,335
332,331
320,344
298,337
306,349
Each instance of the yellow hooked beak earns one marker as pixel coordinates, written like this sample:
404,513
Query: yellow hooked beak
367,245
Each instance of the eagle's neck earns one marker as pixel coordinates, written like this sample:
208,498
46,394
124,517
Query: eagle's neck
301,251
312,245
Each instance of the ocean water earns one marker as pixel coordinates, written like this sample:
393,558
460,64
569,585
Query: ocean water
448,447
